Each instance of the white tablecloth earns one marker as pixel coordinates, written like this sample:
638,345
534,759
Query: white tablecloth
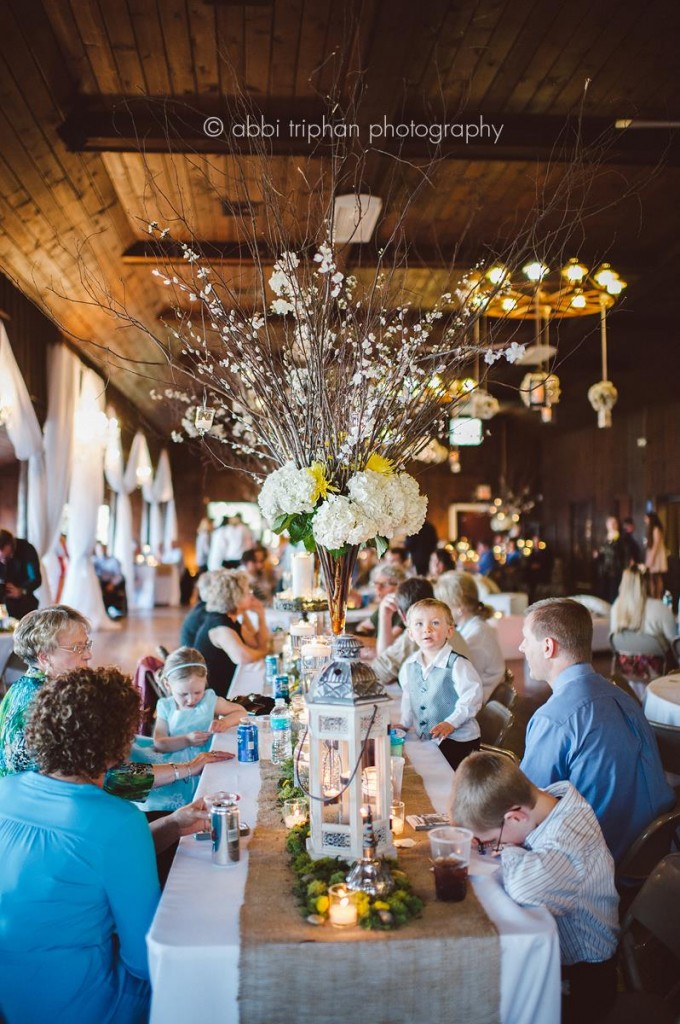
194,938
662,700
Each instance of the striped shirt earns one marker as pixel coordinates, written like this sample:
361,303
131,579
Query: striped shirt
565,865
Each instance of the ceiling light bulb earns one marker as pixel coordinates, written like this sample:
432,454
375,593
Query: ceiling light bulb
604,276
497,274
616,286
535,271
508,304
469,384
578,302
574,271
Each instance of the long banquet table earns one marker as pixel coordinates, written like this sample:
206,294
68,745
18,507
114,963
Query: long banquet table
194,939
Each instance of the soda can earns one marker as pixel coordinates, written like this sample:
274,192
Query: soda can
281,688
226,838
246,736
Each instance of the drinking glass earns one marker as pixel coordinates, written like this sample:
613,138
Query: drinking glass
450,848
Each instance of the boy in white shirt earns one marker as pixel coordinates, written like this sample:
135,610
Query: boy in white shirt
553,855
441,691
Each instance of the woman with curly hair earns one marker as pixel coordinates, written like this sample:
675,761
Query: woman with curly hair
227,636
78,887
53,641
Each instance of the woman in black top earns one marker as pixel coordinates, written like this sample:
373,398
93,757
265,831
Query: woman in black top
227,636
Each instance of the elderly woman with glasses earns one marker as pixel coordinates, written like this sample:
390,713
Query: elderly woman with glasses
53,641
79,887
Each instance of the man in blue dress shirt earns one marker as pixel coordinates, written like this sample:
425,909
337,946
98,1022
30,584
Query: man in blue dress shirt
589,732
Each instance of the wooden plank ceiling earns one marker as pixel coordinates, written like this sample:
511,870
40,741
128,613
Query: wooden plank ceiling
86,160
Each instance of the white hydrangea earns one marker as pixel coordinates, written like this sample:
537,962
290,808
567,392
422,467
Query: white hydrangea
390,503
335,522
286,491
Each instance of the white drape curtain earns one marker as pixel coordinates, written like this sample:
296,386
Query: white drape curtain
137,471
86,494
164,495
63,374
120,483
24,433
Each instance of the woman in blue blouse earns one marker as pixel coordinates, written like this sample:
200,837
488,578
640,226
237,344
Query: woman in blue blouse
78,886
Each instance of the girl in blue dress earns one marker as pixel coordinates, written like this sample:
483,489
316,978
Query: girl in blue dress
185,723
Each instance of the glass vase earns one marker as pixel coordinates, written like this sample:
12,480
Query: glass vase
337,572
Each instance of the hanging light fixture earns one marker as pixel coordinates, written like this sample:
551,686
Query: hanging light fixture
204,417
603,395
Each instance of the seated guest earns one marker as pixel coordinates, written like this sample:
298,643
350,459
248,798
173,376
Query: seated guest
441,561
385,578
193,621
19,575
392,654
53,641
78,886
224,639
398,555
633,610
185,723
553,855
459,591
261,577
487,564
589,732
110,575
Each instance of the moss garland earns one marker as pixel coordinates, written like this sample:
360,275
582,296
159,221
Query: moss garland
313,877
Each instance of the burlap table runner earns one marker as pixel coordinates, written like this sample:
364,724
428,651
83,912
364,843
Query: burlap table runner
443,966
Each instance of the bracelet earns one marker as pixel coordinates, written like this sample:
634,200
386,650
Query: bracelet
175,769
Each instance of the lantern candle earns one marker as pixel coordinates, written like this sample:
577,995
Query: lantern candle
342,911
299,632
294,813
303,574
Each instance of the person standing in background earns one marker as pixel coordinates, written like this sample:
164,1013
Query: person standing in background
420,546
631,549
203,537
611,560
228,543
656,558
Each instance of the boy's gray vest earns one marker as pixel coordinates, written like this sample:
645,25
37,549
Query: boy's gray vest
432,699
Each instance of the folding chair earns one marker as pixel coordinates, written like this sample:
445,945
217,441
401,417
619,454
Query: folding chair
149,691
505,693
494,722
649,950
668,740
659,838
639,657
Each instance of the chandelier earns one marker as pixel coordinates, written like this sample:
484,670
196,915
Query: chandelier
541,293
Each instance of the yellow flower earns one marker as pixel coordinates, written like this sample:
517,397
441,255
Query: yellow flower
321,485
322,904
381,905
379,464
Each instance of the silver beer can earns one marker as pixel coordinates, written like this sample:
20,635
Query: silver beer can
225,822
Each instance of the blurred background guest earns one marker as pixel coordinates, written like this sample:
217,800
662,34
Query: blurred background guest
611,560
261,575
385,578
19,574
193,621
632,550
202,549
110,575
656,559
228,542
459,591
441,561
227,636
420,546
634,610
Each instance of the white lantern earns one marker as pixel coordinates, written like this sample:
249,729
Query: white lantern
348,731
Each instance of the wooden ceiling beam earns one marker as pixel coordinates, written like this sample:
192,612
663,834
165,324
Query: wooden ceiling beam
299,127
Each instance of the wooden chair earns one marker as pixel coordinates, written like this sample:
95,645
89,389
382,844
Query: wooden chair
649,949
495,721
668,740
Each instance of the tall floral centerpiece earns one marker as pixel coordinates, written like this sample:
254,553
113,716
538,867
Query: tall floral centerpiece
337,509
335,384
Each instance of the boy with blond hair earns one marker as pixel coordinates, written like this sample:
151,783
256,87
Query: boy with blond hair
553,854
441,691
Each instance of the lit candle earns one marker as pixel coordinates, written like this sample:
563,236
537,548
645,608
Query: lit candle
303,574
297,818
342,911
315,649
295,812
302,629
